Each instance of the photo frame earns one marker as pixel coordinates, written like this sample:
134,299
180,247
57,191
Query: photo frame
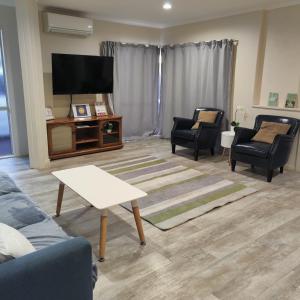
291,101
49,113
81,110
273,99
100,109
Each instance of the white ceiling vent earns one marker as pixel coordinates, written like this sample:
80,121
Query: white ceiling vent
67,24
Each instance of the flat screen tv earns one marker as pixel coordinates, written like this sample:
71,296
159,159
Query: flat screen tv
81,74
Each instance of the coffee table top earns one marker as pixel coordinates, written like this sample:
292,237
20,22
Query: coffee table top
99,188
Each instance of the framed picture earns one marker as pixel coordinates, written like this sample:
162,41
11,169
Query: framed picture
81,110
273,99
100,109
291,101
49,113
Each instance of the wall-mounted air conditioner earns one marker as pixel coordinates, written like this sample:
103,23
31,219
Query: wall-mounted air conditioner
67,24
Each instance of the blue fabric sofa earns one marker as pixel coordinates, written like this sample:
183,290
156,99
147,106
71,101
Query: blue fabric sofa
60,269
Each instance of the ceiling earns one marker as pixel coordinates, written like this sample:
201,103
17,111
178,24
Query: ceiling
150,12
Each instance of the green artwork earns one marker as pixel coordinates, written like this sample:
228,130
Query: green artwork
291,101
273,99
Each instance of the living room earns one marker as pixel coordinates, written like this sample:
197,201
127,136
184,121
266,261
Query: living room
149,149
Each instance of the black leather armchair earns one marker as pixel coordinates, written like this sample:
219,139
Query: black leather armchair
267,156
204,137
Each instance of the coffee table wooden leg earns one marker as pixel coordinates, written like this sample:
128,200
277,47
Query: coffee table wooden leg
60,198
103,230
138,221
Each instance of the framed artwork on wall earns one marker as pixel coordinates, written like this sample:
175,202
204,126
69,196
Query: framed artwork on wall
81,110
273,99
291,101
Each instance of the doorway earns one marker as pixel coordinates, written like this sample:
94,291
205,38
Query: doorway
5,128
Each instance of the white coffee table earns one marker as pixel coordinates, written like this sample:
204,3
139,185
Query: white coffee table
102,190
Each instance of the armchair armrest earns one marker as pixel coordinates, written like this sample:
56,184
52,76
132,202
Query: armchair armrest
280,150
282,145
243,135
62,271
183,123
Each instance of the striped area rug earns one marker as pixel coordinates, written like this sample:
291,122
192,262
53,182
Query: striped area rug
176,194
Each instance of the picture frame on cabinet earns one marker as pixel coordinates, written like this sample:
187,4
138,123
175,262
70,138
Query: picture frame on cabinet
100,109
81,110
49,113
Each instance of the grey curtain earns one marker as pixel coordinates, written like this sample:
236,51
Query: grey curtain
136,78
194,75
107,48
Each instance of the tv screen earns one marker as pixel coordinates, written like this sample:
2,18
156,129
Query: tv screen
81,74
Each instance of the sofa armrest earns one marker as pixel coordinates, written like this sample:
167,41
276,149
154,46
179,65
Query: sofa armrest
62,271
243,135
182,123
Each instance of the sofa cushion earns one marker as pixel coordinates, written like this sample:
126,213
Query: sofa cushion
13,243
17,210
187,134
7,185
44,234
253,149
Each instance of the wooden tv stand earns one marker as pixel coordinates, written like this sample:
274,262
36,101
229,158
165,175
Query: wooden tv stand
71,137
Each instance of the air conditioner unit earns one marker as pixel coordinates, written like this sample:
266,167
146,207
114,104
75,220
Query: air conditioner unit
67,24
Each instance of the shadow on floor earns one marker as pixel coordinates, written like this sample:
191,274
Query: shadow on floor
203,155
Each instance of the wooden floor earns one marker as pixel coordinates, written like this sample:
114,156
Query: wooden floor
249,249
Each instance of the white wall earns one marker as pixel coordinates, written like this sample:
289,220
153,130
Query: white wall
281,72
33,86
8,24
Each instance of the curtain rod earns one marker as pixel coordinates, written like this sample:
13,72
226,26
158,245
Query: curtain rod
236,42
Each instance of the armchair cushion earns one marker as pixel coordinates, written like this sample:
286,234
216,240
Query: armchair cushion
253,148
187,134
205,117
269,130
